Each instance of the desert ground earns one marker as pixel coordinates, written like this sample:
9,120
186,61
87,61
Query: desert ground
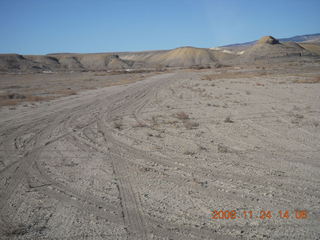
188,143
152,155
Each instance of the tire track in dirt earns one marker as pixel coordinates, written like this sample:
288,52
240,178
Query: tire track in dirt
132,209
63,124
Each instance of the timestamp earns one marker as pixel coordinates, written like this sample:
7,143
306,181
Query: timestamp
261,214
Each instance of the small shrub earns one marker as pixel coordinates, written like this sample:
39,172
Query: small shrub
310,80
158,135
139,125
190,153
202,148
228,120
297,115
182,116
190,125
154,121
223,149
118,125
16,96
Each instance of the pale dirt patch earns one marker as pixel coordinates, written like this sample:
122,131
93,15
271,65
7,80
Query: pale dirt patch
151,159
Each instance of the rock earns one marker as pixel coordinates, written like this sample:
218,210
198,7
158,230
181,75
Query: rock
268,40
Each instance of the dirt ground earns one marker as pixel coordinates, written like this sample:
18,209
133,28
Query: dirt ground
210,154
32,88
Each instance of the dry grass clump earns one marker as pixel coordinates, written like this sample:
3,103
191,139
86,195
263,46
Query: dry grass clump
118,125
308,80
200,67
223,149
182,116
65,92
100,74
207,77
20,230
228,120
154,121
190,125
190,153
232,75
15,98
140,124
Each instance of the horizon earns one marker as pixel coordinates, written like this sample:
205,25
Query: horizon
105,26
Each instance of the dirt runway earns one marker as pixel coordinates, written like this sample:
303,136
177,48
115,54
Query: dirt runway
154,158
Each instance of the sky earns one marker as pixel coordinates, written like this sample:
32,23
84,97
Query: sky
88,26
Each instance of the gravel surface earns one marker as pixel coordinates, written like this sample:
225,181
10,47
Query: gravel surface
156,158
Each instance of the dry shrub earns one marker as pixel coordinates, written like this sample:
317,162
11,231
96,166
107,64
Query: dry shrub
223,149
118,125
232,75
182,116
19,230
228,120
121,71
308,80
154,121
65,92
140,125
190,125
200,67
190,153
101,74
207,77
14,99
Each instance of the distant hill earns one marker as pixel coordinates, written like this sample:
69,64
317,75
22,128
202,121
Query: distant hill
300,38
268,48
179,57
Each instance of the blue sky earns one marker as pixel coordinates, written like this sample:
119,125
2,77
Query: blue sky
48,26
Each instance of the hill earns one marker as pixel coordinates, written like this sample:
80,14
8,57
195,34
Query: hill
62,62
179,57
267,47
300,38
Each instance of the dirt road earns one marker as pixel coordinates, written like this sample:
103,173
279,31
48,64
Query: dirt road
150,160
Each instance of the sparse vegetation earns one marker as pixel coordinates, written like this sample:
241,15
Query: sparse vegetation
140,124
154,121
118,125
20,230
232,75
182,116
199,67
299,116
190,124
14,99
308,80
228,120
202,148
190,153
223,149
